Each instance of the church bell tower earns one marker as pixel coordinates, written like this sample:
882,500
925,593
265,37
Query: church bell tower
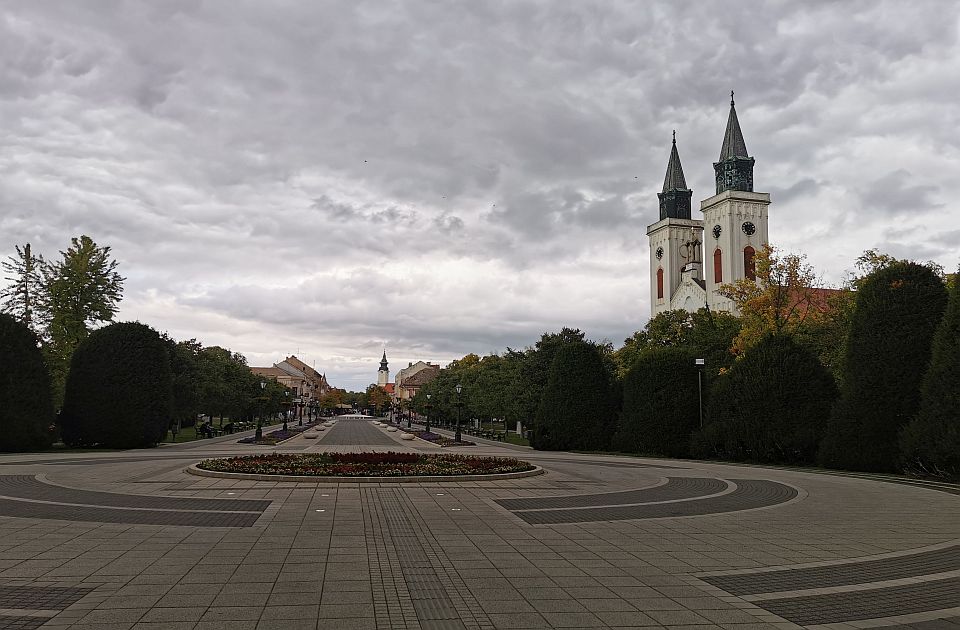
735,218
383,374
674,239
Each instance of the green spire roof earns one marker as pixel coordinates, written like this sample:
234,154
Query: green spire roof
674,179
733,144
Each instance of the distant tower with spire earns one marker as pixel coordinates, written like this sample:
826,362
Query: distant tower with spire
691,258
383,374
735,218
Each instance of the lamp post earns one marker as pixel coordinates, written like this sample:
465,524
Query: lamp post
409,419
459,410
428,405
700,363
259,434
286,408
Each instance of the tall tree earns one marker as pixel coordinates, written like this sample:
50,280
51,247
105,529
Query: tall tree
578,409
25,297
930,444
898,308
26,409
84,290
784,297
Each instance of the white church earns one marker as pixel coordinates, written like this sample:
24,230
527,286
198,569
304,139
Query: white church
687,267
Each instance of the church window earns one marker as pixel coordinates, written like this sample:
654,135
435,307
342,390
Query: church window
660,283
749,267
717,266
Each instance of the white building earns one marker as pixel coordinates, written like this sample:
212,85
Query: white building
736,228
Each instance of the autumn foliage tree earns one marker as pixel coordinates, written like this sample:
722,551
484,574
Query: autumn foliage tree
784,299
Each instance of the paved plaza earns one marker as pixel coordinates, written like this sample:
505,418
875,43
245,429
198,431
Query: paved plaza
128,539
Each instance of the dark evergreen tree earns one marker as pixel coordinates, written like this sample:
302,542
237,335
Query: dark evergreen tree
930,444
26,407
119,389
771,406
661,405
578,408
897,309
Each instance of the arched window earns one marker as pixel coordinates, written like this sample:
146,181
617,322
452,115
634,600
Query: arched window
660,283
749,268
717,266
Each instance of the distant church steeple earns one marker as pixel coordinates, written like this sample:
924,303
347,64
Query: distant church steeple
383,374
734,170
675,198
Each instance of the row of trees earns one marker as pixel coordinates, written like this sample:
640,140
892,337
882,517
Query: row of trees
864,378
61,301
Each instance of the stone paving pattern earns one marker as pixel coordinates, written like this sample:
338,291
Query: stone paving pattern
447,555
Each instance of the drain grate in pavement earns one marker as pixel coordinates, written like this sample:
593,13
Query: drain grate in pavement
40,597
854,572
869,604
675,488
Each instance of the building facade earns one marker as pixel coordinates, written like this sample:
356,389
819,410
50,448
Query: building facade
410,379
307,384
691,258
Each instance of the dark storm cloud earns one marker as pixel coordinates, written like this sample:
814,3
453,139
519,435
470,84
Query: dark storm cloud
453,177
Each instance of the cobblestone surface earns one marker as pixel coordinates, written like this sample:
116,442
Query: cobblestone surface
451,555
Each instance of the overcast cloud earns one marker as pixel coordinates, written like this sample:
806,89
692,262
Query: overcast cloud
324,178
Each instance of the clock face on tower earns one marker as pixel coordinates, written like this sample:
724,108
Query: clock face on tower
748,228
659,253
716,231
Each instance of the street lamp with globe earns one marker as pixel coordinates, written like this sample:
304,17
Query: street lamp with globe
428,406
459,388
259,434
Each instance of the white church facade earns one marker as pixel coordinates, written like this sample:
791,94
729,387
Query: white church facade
691,258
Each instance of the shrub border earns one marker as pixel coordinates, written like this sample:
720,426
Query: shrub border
194,470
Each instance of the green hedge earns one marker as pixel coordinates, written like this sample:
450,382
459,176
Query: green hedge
26,412
119,391
770,407
930,444
661,406
888,350
578,408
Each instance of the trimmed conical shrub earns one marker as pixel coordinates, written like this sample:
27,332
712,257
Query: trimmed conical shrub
660,404
930,444
771,406
26,406
577,410
118,392
897,310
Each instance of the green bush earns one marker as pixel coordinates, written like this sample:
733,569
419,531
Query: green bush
26,412
930,444
578,408
660,404
119,389
770,407
898,307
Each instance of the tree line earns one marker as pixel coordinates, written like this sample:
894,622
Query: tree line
68,370
863,378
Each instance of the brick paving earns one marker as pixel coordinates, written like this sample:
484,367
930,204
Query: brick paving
459,554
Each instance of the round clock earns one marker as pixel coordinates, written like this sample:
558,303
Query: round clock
716,231
659,253
748,228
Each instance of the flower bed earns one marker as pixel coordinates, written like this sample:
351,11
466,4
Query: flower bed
436,438
365,464
275,437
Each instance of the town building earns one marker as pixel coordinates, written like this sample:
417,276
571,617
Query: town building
688,267
410,379
307,384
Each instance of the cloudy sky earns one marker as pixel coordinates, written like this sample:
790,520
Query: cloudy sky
324,178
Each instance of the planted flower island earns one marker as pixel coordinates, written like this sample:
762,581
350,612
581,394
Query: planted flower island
365,467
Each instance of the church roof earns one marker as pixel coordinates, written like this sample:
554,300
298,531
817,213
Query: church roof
733,144
674,179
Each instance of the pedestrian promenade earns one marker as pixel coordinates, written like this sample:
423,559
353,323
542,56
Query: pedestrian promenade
127,539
